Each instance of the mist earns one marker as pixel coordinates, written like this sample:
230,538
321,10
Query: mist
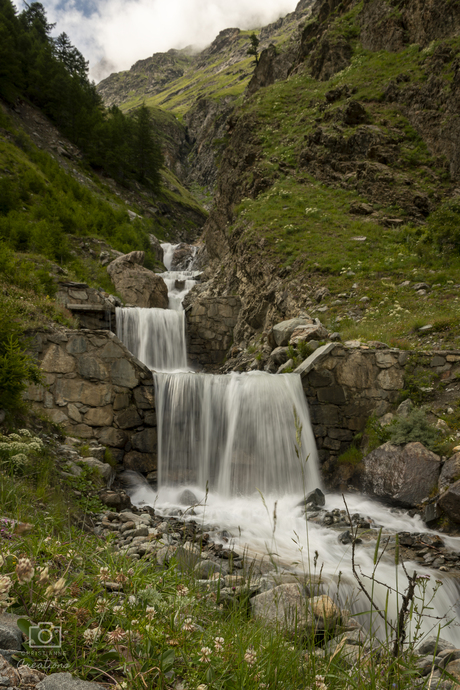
114,34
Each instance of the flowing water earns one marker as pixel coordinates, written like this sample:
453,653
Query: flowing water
232,441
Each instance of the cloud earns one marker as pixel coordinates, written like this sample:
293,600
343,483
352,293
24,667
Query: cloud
114,34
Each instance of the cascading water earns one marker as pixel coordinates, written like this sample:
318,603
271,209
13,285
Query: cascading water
235,432
231,440
157,336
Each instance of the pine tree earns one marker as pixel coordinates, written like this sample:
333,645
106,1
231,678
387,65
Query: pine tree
254,47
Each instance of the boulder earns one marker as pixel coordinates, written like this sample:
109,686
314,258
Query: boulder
284,605
450,472
156,248
402,475
306,333
10,635
64,681
104,469
183,257
450,501
281,332
137,285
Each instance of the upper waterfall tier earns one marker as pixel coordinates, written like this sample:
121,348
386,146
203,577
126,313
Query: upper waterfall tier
179,283
155,336
235,433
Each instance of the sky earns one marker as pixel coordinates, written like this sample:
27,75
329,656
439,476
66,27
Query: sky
114,34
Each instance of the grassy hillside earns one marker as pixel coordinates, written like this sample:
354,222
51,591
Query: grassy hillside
175,80
355,195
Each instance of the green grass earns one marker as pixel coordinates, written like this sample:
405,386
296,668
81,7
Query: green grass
171,627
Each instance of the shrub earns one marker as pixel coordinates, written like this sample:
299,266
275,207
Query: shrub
414,427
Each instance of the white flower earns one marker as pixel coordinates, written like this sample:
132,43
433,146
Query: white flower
205,654
151,612
91,635
24,570
218,643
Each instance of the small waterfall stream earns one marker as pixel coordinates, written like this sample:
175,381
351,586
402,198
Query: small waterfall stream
231,440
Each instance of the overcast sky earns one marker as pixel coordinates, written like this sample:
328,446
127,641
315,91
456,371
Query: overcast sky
113,34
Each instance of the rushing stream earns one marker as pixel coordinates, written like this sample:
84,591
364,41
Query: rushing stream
233,441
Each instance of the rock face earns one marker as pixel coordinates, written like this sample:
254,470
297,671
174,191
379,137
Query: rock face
450,501
403,475
96,389
137,285
183,257
271,67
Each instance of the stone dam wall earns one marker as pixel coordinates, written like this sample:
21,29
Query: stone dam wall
96,389
345,386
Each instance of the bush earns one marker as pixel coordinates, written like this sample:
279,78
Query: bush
444,226
414,427
17,369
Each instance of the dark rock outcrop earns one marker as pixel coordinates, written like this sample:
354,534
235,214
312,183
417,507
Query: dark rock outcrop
403,475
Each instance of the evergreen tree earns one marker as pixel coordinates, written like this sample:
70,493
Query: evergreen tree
254,47
147,156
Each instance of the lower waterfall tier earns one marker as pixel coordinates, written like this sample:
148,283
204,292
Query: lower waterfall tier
235,433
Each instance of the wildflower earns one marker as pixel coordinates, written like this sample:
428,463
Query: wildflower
319,683
116,635
151,612
121,577
55,590
205,654
218,643
131,572
202,686
102,606
91,635
117,609
104,574
182,590
173,643
188,626
24,570
5,585
250,656
131,601
43,577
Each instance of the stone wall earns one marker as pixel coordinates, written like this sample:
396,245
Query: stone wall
94,309
96,389
210,324
344,386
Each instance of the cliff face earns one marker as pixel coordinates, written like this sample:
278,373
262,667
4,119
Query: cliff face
381,125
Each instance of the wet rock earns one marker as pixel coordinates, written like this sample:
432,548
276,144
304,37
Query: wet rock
187,498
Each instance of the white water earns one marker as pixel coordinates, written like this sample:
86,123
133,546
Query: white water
155,336
234,432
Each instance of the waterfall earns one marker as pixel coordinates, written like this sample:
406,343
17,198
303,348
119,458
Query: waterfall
155,336
232,440
235,433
